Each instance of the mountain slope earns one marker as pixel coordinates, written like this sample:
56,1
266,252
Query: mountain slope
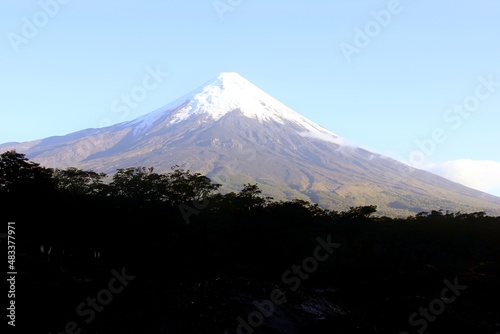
235,133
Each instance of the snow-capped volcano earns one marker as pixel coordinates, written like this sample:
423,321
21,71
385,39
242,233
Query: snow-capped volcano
230,92
231,131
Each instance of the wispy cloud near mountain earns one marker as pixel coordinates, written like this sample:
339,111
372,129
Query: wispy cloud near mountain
483,175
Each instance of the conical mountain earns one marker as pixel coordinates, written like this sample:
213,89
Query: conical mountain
233,132
229,93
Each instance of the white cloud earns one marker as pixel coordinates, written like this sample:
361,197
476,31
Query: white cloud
483,175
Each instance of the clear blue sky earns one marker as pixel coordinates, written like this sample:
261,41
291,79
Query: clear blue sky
383,91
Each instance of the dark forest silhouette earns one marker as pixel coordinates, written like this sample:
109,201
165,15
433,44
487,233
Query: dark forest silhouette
196,252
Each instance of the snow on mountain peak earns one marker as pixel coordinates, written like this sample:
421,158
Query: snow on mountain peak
230,77
230,92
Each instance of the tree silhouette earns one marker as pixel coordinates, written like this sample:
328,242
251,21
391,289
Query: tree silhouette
19,175
136,183
76,181
175,187
186,187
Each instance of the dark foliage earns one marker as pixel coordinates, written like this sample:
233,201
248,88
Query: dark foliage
201,258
